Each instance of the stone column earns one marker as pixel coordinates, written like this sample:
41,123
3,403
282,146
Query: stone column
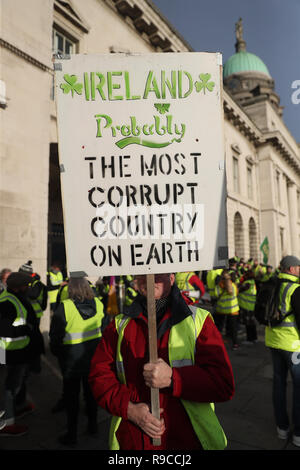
293,216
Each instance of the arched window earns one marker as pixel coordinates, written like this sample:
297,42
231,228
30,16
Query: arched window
252,238
238,235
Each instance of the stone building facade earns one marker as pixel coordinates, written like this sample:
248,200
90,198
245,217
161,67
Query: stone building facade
262,158
263,161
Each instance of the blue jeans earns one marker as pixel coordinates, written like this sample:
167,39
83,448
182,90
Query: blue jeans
283,362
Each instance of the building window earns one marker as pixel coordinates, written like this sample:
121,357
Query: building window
298,204
278,196
238,235
249,181
61,44
236,183
253,242
281,234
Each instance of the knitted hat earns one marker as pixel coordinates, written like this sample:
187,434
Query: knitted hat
289,261
26,268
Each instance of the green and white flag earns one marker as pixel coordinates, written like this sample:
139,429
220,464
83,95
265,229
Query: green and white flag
264,248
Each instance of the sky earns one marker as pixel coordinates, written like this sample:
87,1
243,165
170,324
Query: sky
271,31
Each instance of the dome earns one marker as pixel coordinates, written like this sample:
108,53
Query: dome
244,61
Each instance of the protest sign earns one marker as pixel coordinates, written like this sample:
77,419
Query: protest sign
141,153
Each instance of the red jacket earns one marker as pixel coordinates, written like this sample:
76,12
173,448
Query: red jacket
209,380
197,283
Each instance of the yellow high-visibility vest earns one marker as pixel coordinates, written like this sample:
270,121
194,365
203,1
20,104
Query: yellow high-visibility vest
19,342
56,280
79,330
285,336
247,298
181,347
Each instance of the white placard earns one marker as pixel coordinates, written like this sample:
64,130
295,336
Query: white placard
141,148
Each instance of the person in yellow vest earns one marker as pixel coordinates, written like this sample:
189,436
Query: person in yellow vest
37,295
37,292
212,276
131,292
22,342
227,307
190,284
63,294
284,343
75,332
55,279
246,300
193,371
267,274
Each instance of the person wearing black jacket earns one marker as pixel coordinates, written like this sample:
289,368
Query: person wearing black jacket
13,330
75,332
284,343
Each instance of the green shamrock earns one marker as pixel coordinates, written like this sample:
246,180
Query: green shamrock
162,107
71,85
204,83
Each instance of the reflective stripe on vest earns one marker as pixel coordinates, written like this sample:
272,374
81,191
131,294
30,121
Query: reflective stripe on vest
41,295
247,298
18,342
37,308
55,280
182,346
79,330
285,336
210,281
182,281
227,303
64,293
130,299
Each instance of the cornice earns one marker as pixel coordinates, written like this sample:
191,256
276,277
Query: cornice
277,140
240,119
71,15
147,20
27,57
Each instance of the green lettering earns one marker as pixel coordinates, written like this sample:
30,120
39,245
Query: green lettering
135,130
165,82
93,85
159,131
151,81
169,123
113,86
180,84
86,86
189,91
100,85
125,130
108,123
150,129
127,88
180,132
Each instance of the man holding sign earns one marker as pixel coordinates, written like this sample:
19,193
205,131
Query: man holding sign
141,138
192,371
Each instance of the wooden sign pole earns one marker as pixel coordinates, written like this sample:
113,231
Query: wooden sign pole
155,406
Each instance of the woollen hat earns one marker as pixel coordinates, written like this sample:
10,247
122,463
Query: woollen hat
26,268
288,261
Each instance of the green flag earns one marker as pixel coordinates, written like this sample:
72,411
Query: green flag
264,248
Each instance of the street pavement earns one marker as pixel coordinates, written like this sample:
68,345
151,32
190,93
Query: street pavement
247,419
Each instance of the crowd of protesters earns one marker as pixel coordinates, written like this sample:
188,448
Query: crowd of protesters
80,311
